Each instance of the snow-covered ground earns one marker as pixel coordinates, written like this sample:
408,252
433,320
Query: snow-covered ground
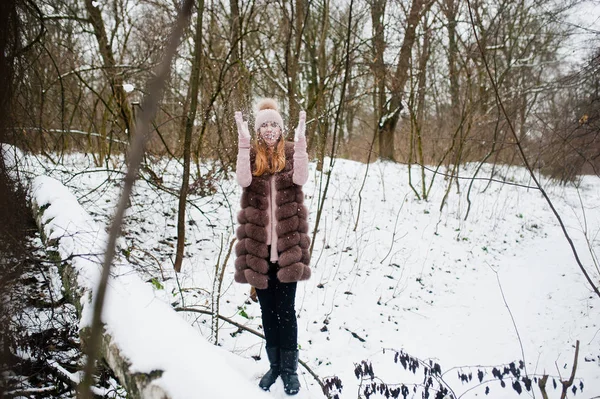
498,287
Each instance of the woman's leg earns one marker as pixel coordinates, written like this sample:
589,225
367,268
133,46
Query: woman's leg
285,297
268,307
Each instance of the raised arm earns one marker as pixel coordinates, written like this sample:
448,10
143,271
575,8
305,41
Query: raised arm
243,171
300,155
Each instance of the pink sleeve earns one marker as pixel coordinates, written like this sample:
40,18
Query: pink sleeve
243,173
300,162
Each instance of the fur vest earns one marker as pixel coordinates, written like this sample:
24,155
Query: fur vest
251,264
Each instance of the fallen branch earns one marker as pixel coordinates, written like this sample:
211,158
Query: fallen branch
252,331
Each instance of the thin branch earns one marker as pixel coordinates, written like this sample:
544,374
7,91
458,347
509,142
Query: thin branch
156,88
254,332
514,324
524,157
394,233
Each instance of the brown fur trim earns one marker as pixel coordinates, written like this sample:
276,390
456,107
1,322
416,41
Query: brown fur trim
241,217
305,257
258,201
240,277
287,226
240,232
299,197
293,272
257,264
240,248
255,232
306,274
285,243
240,263
290,256
255,216
257,280
304,241
302,212
259,186
256,248
303,226
284,180
286,195
287,211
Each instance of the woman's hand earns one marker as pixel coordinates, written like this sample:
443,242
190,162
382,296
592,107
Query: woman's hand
301,129
243,132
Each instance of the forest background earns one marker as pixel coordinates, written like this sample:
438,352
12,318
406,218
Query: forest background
398,80
432,84
421,82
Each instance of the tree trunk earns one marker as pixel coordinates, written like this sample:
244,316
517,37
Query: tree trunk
114,78
317,40
389,113
422,86
450,10
378,66
187,146
295,25
241,89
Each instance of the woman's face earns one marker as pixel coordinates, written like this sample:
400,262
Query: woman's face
270,132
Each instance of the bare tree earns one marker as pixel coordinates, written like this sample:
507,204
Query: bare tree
388,106
189,128
110,64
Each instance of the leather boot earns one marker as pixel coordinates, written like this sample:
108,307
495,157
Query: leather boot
289,365
271,376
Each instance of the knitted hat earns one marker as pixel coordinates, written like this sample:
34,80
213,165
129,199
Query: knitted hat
267,111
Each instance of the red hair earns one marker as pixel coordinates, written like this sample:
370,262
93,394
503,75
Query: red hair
268,160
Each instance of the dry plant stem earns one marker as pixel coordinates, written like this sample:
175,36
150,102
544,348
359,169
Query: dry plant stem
567,384
155,90
394,233
524,157
254,332
514,325
335,142
542,385
483,161
454,174
214,323
148,253
217,285
362,186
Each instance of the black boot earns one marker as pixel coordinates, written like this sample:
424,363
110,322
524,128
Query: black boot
289,364
271,376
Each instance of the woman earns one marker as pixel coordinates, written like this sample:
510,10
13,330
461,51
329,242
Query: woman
272,251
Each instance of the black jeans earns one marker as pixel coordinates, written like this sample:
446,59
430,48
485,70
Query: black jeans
278,312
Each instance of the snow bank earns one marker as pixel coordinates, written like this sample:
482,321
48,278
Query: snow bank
162,354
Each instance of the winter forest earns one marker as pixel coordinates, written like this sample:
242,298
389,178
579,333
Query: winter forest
453,196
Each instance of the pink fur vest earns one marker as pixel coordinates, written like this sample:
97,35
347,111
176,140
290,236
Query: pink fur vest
252,253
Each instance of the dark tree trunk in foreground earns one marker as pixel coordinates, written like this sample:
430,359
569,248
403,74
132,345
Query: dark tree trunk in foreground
187,144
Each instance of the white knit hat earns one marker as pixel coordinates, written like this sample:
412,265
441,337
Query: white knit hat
267,111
